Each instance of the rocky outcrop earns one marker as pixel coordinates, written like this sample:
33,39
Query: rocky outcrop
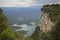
50,15
50,21
46,23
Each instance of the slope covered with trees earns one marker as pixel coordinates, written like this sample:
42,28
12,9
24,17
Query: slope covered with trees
5,33
36,34
54,13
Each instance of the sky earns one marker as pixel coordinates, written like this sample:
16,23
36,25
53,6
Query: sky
26,3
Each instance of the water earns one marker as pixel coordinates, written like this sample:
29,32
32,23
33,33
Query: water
26,27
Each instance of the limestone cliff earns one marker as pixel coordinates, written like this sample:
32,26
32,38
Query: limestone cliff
46,23
50,21
49,16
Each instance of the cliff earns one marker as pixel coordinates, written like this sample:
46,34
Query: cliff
50,21
49,28
53,11
49,16
46,23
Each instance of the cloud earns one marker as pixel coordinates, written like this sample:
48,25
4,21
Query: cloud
14,25
16,3
28,28
20,19
25,3
46,1
33,23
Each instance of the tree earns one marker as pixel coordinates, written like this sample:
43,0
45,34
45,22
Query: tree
5,32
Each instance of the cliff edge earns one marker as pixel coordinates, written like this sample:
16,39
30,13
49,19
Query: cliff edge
50,21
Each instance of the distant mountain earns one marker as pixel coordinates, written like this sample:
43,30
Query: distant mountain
28,14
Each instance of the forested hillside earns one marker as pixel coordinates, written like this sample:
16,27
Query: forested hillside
5,33
54,14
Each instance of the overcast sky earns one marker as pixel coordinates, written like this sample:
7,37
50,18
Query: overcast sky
25,3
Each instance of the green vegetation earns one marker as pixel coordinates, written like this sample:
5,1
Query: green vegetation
39,35
36,34
54,13
5,33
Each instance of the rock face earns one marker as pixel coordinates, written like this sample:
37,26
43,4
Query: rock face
50,14
50,20
45,22
49,23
